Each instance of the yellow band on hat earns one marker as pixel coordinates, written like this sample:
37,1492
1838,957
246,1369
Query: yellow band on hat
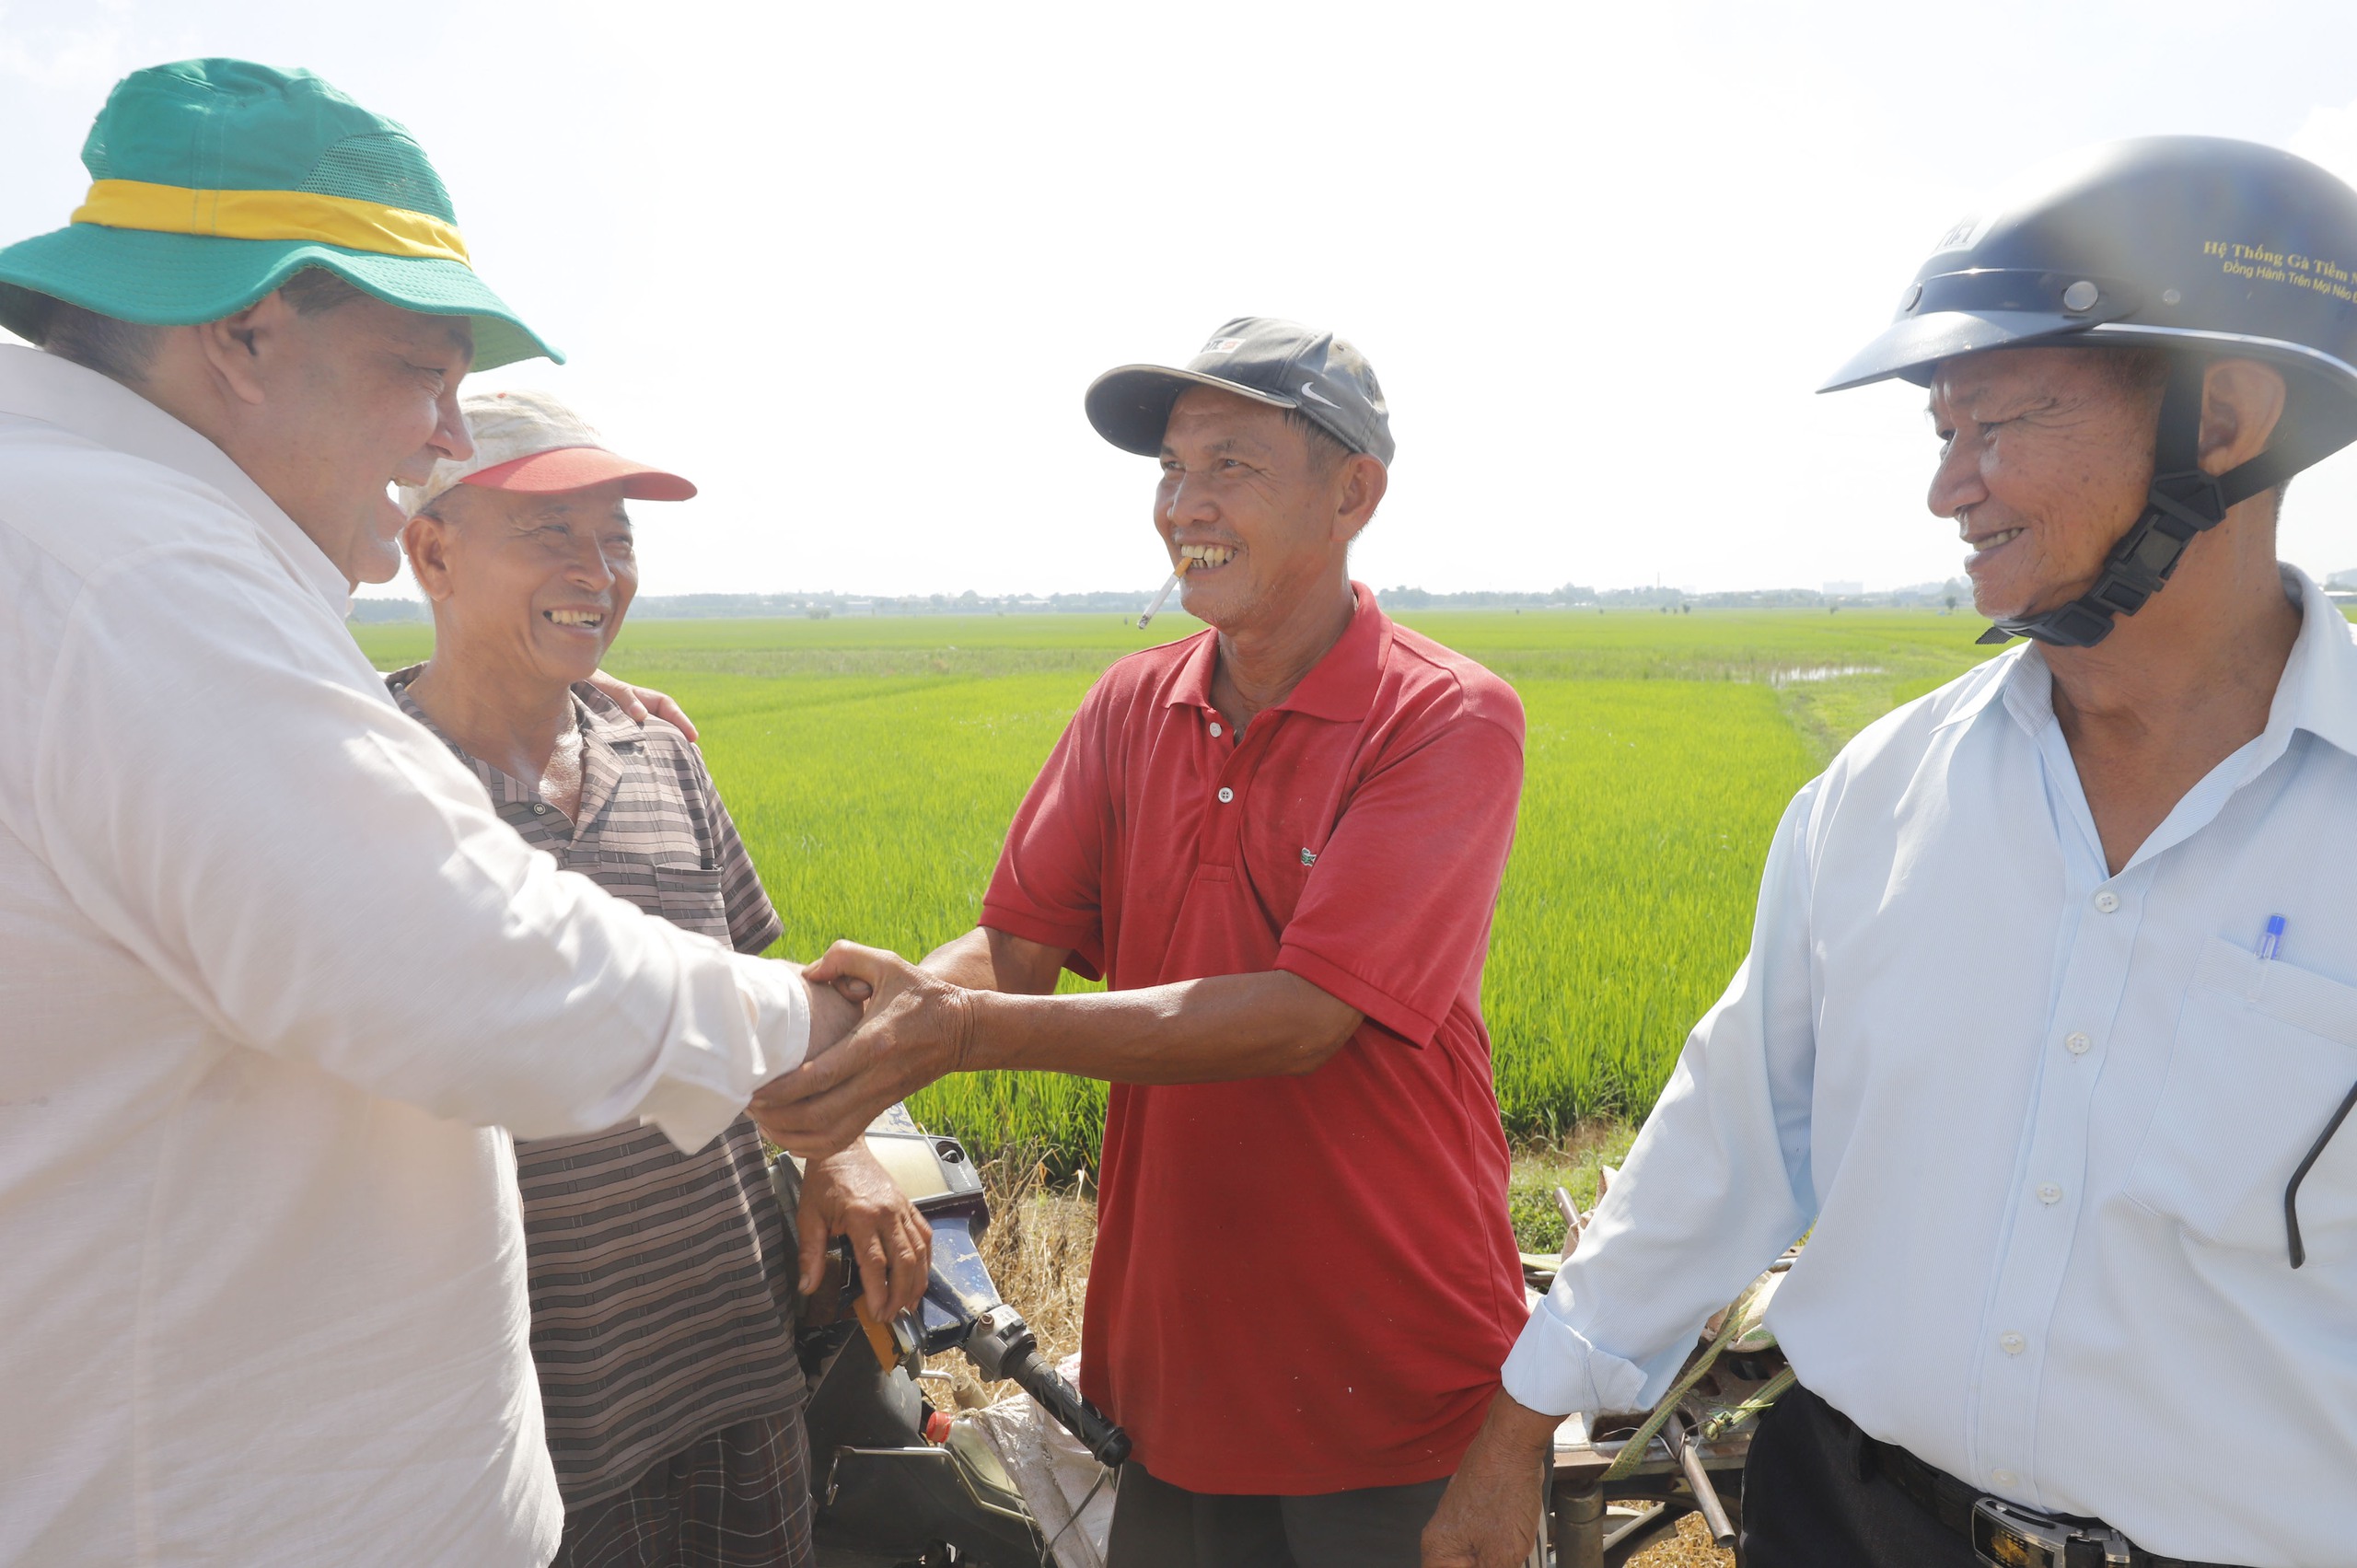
271,214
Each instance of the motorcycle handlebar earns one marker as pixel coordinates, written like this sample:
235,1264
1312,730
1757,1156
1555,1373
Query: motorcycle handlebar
1107,1442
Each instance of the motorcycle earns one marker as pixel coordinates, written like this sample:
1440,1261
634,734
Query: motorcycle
899,1482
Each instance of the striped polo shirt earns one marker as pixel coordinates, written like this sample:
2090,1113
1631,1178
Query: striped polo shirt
660,1281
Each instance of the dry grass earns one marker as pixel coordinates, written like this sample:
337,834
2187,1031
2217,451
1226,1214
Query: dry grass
1687,1545
1037,1248
1572,1162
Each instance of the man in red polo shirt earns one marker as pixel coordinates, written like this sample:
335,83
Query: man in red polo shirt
1280,842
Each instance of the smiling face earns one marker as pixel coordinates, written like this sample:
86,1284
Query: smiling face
2046,454
1257,509
531,588
354,397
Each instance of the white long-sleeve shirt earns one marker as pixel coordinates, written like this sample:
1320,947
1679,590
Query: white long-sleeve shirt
273,976
2042,1117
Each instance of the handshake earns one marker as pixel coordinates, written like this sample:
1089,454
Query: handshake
891,1029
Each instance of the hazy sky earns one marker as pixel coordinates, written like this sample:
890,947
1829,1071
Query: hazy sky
850,267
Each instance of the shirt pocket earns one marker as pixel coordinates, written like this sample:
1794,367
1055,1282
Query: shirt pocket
1278,849
2263,1056
689,896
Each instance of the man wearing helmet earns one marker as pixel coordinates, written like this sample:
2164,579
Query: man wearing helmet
2051,1014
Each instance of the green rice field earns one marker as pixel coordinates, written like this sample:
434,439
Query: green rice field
873,766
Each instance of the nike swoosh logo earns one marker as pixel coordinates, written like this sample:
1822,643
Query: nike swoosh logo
1310,392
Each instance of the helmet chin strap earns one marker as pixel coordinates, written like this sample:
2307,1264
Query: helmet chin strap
2182,503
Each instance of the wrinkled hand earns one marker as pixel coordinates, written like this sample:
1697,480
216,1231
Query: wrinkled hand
850,1194
1488,1517
643,702
917,1028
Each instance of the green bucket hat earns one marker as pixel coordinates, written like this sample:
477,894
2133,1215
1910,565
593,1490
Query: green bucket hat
217,181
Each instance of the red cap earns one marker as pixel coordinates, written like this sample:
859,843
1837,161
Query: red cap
578,467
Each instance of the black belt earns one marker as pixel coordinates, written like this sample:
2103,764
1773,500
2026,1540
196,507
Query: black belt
2006,1533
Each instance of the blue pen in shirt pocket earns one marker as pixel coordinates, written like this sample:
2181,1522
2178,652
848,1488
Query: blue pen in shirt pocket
2271,942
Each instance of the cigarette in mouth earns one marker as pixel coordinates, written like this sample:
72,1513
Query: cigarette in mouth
1164,597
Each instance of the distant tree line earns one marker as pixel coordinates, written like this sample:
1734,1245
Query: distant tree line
815,607
826,606
1571,595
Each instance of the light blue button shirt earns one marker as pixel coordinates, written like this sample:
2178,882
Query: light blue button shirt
2040,1118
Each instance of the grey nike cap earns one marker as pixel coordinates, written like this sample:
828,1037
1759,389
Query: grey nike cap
1281,364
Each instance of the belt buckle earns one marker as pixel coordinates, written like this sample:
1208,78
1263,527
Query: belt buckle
2005,1535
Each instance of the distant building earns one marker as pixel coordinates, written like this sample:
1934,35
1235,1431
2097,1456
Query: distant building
1844,590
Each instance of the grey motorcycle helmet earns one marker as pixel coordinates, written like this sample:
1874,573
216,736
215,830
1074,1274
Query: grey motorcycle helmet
2197,246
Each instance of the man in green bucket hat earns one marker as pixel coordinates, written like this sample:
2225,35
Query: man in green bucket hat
275,977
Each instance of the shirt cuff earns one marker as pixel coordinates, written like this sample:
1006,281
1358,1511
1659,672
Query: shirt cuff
737,1038
1555,1370
777,1001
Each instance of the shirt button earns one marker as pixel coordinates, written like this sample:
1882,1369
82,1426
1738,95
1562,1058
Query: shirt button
2002,1477
2076,1043
2012,1343
2106,901
2049,1193
1216,732
1226,795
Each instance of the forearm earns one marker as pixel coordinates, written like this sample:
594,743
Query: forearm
1245,1025
970,962
1717,1184
1703,1202
984,959
923,1023
1490,1514
832,1016
1512,1428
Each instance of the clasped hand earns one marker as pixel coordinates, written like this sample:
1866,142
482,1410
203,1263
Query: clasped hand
914,1027
849,1195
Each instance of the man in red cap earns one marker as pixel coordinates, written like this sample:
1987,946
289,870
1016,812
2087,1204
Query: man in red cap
661,1324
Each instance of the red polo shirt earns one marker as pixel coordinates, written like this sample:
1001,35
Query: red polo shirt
1301,1285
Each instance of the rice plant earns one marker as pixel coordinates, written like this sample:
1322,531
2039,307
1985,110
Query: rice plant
873,766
